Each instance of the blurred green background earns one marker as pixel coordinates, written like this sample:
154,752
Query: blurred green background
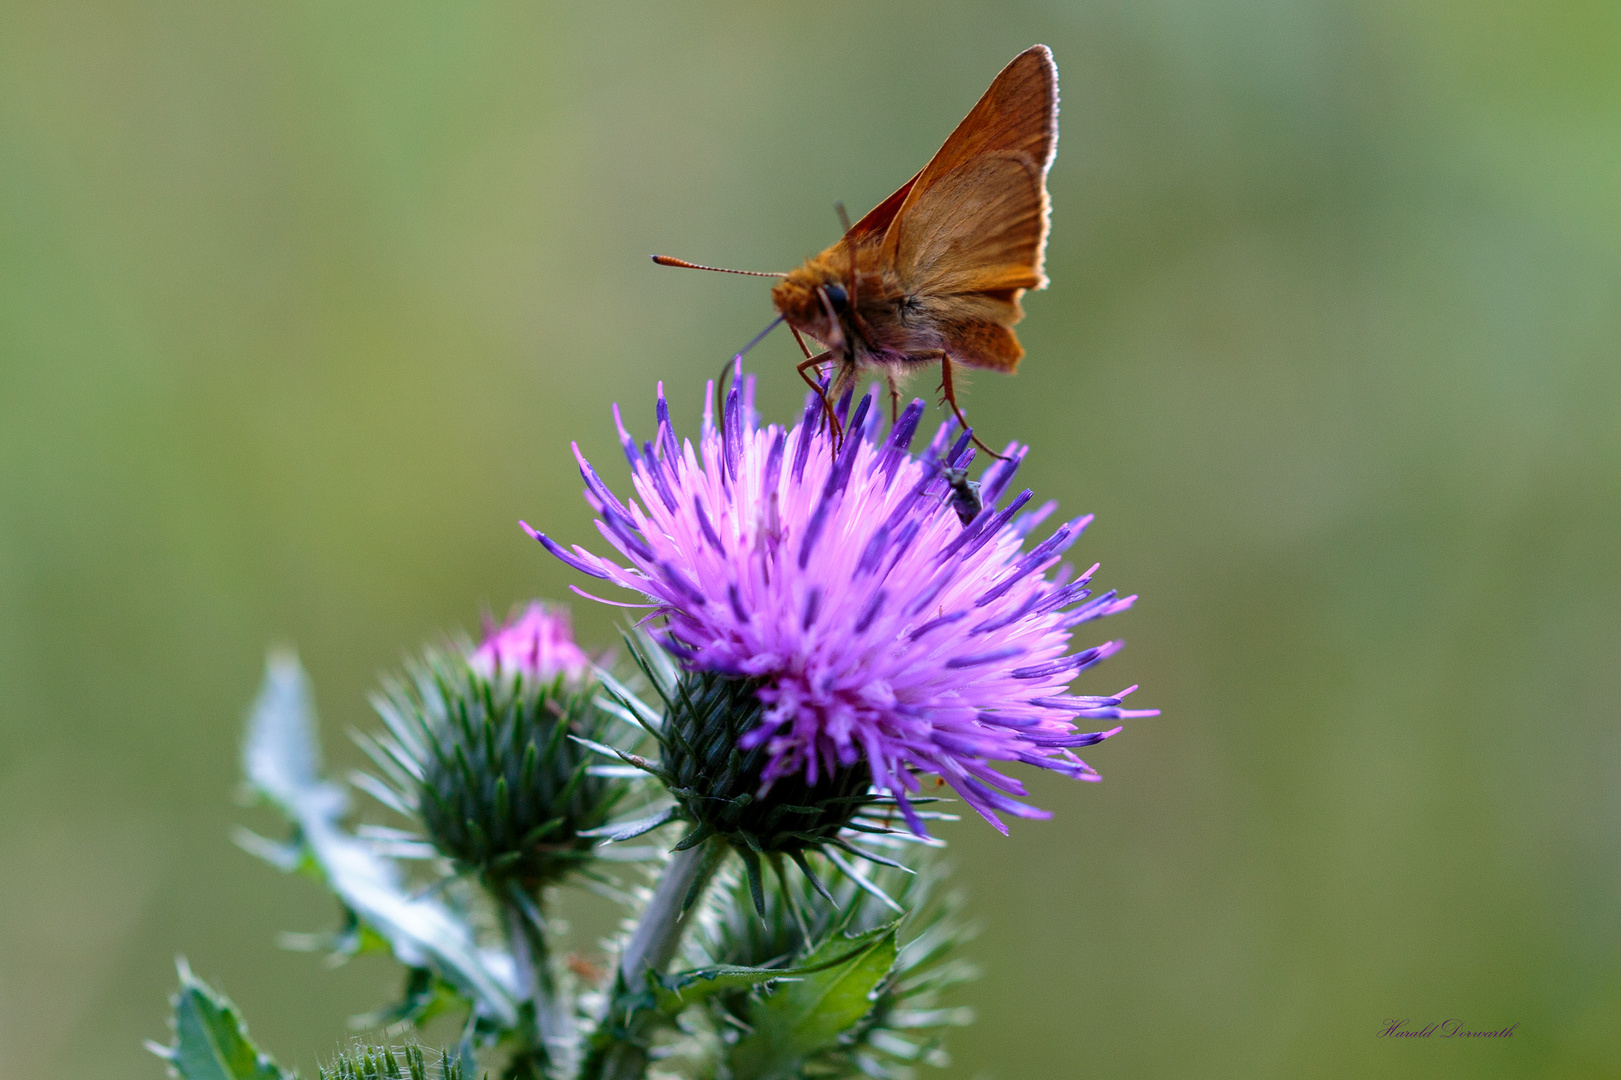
302,303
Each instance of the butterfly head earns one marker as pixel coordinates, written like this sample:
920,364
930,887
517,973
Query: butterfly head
814,301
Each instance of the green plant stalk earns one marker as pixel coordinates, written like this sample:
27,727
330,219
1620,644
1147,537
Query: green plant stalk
530,956
650,948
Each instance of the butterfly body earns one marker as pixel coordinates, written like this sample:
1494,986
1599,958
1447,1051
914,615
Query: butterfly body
882,328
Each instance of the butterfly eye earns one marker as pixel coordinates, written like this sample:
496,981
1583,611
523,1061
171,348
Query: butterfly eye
837,297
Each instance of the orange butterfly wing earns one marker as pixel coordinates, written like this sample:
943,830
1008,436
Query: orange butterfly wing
968,249
878,218
978,229
970,232
1018,113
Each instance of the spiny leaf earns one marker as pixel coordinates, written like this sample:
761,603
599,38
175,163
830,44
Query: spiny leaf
672,993
281,760
808,1015
676,991
211,1040
626,830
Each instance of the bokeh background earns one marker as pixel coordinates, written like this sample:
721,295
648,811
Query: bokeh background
302,303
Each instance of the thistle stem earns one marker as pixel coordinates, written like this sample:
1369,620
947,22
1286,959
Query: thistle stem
656,936
651,947
527,940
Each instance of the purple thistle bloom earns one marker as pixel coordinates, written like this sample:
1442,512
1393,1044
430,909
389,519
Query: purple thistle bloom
537,644
881,627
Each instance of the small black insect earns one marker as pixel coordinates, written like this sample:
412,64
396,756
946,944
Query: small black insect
964,494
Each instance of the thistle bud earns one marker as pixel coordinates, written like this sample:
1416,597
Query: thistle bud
384,1063
478,748
537,646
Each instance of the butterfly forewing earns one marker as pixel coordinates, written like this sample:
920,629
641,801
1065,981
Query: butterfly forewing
878,218
979,228
1019,112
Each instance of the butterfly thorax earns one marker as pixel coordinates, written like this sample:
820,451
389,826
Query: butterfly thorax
860,317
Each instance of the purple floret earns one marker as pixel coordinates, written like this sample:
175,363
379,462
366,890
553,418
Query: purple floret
879,625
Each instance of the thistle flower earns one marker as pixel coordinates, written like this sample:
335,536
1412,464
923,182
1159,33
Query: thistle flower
873,625
478,748
537,645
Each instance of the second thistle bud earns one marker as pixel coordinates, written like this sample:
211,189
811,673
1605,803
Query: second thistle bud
479,748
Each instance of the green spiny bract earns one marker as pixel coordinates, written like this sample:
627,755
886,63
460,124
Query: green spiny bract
717,784
489,767
907,1022
383,1063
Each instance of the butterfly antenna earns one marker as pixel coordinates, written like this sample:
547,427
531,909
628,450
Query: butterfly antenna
665,260
736,362
844,217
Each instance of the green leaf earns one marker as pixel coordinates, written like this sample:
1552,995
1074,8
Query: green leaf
626,830
672,993
282,760
837,989
210,1038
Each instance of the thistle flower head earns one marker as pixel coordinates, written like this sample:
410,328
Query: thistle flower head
536,645
873,625
481,748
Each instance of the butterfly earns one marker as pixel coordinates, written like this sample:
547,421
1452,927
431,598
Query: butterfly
934,273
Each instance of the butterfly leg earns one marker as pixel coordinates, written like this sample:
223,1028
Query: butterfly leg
792,329
827,406
894,398
950,397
